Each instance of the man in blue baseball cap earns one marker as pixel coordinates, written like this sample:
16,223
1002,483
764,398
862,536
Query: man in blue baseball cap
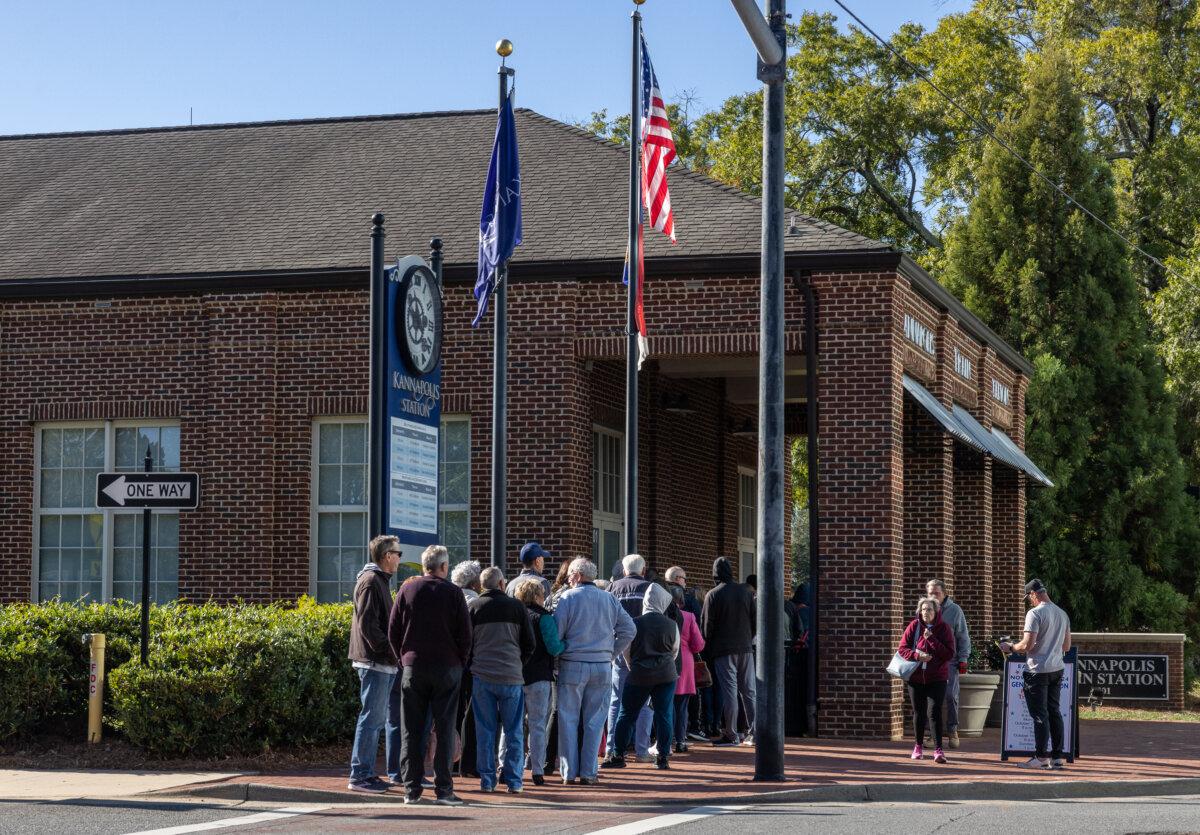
533,562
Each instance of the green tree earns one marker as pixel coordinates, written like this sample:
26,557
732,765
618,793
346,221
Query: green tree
1116,538
1176,313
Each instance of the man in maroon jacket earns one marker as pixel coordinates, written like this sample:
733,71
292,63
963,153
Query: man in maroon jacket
430,632
929,640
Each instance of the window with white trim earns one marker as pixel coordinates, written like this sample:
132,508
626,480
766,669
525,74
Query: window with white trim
747,543
81,552
340,506
339,515
608,498
454,493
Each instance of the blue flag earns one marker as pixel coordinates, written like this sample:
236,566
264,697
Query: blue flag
500,221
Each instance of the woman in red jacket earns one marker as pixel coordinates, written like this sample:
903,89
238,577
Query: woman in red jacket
931,642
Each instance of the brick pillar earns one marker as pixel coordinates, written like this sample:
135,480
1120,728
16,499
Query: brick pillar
928,502
862,501
1008,529
972,585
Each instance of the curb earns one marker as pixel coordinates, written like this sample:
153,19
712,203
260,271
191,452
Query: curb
836,793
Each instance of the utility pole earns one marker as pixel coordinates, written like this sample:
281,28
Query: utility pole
770,39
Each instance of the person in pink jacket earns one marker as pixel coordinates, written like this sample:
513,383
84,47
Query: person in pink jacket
928,640
691,642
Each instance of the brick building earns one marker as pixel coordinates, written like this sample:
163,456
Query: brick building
204,290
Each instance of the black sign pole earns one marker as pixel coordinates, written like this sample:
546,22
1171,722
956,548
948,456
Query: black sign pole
631,325
500,383
377,389
149,464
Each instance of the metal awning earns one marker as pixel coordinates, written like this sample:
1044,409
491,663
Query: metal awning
923,396
1000,446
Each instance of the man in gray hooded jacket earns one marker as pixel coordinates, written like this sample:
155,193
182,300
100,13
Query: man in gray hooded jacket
952,616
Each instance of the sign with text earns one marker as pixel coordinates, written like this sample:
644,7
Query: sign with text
180,491
1123,676
414,403
1016,733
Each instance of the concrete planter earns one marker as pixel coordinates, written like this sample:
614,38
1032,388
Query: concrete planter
975,691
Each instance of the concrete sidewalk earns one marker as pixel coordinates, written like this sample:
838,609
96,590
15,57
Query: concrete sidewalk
1116,759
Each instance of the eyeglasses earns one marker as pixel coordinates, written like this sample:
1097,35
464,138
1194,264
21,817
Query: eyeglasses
397,553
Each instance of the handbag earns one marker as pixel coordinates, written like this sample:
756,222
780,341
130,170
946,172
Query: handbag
901,667
703,676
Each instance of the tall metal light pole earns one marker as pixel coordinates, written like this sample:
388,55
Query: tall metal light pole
504,48
631,327
769,38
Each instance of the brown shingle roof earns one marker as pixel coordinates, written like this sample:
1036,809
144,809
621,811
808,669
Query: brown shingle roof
299,196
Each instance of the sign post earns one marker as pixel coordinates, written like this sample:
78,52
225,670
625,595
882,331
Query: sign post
147,490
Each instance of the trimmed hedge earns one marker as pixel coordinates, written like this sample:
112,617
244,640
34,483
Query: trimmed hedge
220,679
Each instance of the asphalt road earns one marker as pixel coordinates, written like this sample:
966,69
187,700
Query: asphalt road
1095,817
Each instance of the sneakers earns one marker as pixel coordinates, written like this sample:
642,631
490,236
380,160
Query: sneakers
695,736
589,781
515,789
411,799
662,763
748,739
938,756
371,785
1058,763
681,747
645,758
918,752
539,780
447,799
1035,762
724,741
486,789
653,749
613,761
570,781
954,738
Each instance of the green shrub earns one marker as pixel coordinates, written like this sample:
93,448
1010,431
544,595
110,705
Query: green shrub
220,679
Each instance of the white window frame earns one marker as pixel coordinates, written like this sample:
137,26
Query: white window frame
315,508
603,520
747,544
110,428
458,417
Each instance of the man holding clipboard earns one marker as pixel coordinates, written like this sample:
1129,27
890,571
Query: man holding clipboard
1047,638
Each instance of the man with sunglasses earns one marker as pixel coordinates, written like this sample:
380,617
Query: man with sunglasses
1047,638
373,659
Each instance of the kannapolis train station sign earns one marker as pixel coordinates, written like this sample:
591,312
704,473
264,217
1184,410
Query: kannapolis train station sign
1124,676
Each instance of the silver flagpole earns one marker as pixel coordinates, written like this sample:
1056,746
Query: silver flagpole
504,48
631,351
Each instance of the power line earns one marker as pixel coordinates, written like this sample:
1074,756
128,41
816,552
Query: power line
987,129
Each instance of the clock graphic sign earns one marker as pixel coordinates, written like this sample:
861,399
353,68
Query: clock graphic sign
418,324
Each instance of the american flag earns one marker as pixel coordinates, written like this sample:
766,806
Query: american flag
658,149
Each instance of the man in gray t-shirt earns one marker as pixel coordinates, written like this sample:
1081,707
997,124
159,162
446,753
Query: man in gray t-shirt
1047,638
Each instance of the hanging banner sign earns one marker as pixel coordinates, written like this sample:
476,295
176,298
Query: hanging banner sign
414,403
1016,733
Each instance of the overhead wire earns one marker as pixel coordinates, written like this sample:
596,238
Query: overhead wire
991,134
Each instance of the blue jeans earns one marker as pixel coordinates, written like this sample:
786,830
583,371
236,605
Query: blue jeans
633,702
537,725
506,702
582,696
641,740
373,692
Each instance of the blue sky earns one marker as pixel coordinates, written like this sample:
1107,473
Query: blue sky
118,64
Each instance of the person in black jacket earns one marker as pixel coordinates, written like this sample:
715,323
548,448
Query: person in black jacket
372,659
630,591
727,621
539,674
653,672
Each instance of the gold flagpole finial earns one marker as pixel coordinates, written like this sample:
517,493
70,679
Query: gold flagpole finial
504,47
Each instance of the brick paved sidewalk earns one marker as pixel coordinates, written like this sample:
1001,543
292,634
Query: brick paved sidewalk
1110,752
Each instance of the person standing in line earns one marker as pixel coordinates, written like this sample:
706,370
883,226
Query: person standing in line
560,585
1046,640
533,563
696,702
594,627
691,642
503,642
373,659
952,615
466,576
630,591
651,658
728,626
928,640
539,674
430,632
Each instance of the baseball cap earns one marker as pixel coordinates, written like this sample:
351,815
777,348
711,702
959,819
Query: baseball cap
531,551
1034,585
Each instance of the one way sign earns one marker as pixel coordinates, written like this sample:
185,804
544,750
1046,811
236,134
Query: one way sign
175,490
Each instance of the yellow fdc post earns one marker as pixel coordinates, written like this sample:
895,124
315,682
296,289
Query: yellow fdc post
95,685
